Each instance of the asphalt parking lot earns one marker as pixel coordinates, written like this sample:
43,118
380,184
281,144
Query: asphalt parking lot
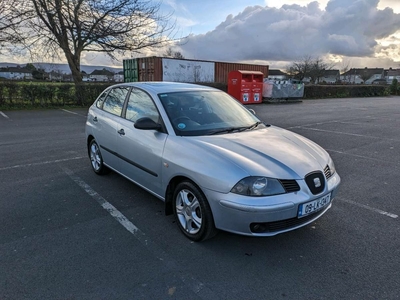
67,233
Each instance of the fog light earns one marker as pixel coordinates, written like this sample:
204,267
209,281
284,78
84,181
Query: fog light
258,227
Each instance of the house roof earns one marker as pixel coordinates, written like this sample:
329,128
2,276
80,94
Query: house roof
392,72
367,71
272,72
331,73
102,72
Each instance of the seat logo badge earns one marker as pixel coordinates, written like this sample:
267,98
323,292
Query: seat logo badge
317,182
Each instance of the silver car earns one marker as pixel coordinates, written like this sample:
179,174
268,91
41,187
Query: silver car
210,159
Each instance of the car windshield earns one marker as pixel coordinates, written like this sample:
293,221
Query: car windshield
194,113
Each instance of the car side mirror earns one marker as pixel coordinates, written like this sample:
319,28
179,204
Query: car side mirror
146,123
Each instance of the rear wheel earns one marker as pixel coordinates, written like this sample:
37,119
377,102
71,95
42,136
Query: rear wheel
96,159
192,212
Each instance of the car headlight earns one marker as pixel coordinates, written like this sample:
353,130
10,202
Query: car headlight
258,186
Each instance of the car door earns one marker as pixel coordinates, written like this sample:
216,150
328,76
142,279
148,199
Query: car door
141,150
105,123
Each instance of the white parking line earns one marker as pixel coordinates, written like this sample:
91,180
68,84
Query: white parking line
394,216
364,157
106,205
346,133
4,115
40,163
71,112
195,285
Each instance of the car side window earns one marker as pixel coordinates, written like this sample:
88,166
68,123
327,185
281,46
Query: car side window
115,100
141,105
100,100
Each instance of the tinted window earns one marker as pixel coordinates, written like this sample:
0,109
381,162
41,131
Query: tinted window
141,105
115,100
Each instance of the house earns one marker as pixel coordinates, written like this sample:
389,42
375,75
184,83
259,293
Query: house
101,75
366,75
277,75
119,77
392,74
330,76
55,76
16,73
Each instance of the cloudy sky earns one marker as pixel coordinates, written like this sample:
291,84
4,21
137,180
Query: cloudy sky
355,33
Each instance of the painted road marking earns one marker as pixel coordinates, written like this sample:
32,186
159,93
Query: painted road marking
41,163
71,112
394,216
346,133
103,203
363,156
195,285
4,115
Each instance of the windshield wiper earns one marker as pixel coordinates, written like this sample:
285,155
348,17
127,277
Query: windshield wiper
225,130
236,129
251,127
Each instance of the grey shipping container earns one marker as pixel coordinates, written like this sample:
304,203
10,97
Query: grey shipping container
151,69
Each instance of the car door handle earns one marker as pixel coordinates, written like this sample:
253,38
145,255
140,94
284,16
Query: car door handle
121,132
95,119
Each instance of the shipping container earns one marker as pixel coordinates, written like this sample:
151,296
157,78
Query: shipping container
130,70
222,69
150,68
183,70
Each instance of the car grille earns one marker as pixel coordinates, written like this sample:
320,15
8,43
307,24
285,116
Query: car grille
283,224
290,186
315,182
327,172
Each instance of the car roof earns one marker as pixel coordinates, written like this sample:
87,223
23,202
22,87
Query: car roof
166,87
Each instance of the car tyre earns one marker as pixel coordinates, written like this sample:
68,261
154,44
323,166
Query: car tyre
96,160
192,212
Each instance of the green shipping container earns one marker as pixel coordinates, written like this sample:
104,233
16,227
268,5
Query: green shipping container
131,72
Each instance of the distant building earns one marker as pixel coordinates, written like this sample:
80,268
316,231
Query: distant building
55,76
330,76
392,74
276,75
366,75
16,73
101,75
119,77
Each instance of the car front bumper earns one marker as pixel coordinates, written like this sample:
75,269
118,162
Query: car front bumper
267,216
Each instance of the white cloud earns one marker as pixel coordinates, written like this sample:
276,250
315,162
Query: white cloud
343,28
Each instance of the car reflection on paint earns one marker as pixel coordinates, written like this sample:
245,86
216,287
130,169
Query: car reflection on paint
212,161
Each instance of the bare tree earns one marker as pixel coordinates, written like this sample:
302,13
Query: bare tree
173,54
12,15
70,27
344,70
318,68
309,67
301,68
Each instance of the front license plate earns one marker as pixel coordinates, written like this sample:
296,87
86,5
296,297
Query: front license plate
312,206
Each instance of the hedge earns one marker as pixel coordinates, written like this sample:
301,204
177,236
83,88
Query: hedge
48,94
344,91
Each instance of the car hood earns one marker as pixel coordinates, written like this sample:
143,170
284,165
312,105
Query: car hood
271,152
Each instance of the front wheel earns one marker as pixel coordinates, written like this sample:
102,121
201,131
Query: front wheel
96,160
192,212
